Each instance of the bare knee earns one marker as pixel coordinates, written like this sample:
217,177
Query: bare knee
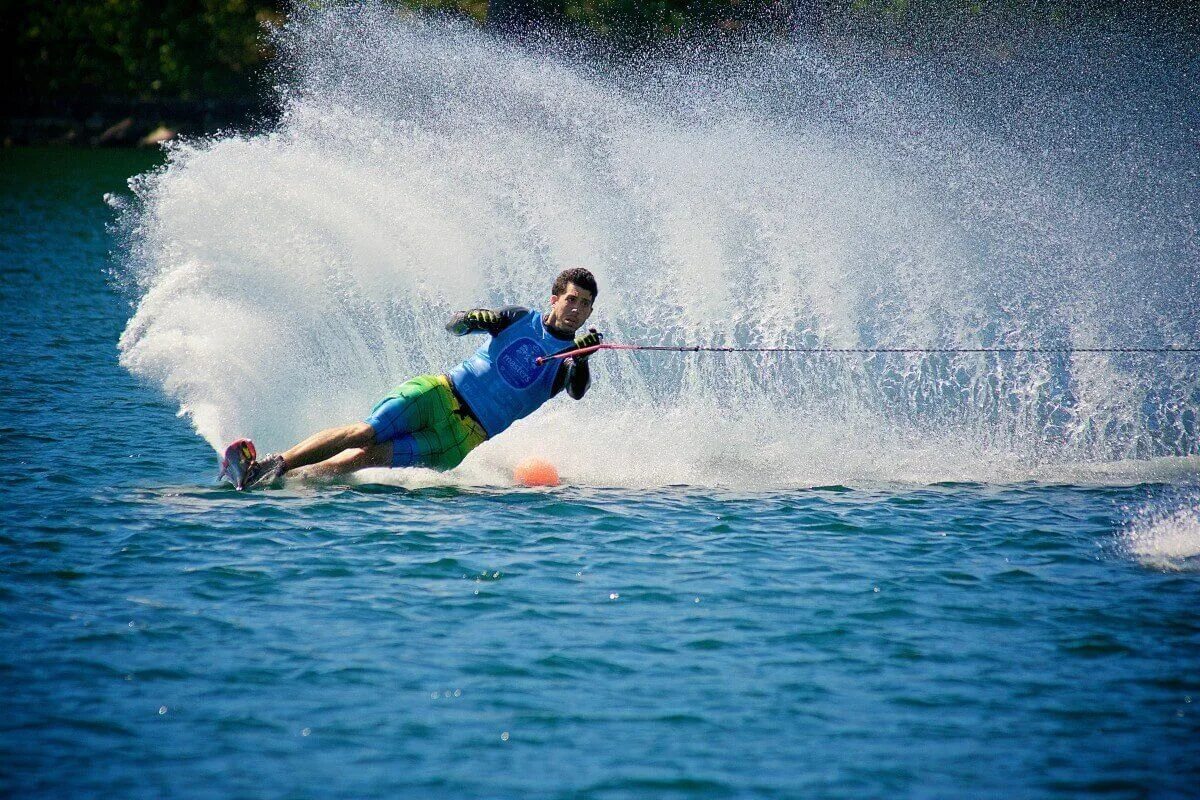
360,434
351,460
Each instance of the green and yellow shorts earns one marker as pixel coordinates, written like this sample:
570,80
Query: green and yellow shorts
426,424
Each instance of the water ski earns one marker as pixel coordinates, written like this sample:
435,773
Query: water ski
236,462
241,467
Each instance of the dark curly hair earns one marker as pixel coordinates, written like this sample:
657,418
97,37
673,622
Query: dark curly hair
578,276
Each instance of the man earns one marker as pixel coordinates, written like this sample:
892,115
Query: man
435,420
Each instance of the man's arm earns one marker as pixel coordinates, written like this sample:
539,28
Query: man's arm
575,376
484,320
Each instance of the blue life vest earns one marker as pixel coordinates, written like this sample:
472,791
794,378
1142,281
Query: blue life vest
503,382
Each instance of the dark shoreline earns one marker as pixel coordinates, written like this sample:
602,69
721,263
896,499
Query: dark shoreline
121,122
950,43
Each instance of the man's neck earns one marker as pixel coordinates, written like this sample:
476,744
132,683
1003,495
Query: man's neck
560,333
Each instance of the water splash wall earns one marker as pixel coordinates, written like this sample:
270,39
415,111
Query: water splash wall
775,194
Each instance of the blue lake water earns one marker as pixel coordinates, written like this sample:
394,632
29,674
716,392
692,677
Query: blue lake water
165,637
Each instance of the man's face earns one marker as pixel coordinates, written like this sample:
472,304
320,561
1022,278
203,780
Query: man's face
569,310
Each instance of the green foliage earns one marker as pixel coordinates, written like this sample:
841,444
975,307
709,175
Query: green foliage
140,48
475,9
624,17
213,49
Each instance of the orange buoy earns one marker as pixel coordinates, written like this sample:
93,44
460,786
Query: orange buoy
535,472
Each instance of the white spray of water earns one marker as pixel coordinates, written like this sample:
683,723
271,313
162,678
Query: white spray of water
773,196
1168,540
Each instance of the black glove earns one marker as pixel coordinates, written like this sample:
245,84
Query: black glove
590,339
464,322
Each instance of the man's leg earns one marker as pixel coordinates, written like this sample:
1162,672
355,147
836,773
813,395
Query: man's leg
329,443
442,447
356,458
335,451
420,424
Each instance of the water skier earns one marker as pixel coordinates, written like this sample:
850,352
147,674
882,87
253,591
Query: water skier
435,420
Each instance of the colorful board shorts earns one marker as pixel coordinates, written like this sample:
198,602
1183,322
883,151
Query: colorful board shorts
426,424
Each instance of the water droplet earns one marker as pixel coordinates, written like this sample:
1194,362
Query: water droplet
504,736
162,710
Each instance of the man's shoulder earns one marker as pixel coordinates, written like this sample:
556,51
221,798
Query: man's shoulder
511,314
